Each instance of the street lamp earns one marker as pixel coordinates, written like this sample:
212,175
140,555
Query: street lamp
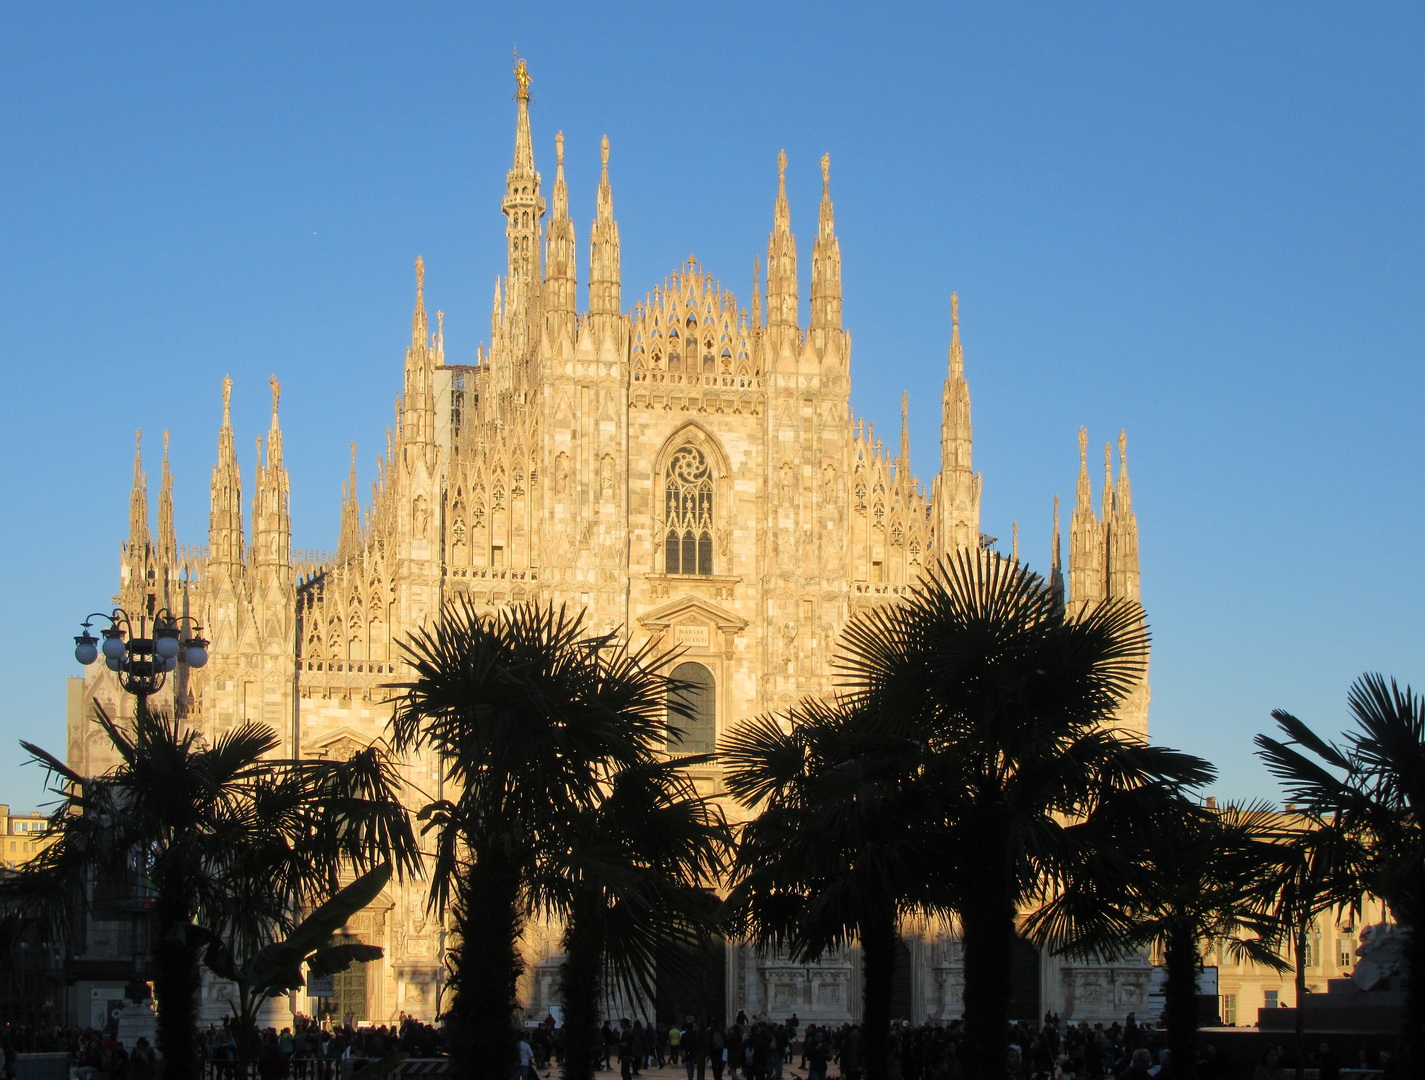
142,659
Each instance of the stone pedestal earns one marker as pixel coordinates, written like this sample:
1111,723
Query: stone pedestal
137,1020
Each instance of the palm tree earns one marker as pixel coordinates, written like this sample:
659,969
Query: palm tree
1202,881
221,837
1372,787
1027,786
532,718
838,851
632,877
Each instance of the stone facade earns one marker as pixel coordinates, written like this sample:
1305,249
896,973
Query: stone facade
687,470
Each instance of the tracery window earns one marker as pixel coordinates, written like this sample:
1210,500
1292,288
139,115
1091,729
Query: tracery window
688,513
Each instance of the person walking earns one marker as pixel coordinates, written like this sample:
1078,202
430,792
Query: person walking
675,1035
691,1046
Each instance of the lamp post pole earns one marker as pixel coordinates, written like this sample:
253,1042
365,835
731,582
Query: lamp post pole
141,652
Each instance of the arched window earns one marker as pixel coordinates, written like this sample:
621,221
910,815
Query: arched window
692,710
688,514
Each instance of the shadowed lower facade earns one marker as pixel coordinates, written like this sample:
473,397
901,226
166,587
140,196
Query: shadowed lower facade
687,469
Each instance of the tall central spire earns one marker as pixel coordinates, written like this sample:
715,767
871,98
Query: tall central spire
957,490
523,205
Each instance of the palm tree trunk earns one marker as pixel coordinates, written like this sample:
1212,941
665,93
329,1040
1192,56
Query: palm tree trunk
1180,956
987,931
486,971
1300,943
878,959
176,982
579,991
1414,1024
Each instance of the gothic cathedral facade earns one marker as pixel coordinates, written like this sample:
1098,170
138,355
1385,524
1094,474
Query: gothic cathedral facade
688,470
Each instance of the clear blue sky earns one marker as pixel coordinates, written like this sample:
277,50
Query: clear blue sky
1200,222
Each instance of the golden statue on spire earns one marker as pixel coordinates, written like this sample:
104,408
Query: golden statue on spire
522,78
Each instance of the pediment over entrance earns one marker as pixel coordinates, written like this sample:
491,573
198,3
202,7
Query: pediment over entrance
691,607
337,745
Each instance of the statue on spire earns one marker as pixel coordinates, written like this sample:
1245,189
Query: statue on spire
955,309
276,391
227,397
521,78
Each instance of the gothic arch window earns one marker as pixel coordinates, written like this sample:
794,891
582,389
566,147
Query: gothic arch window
688,513
692,710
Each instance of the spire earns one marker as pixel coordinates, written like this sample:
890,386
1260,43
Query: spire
1056,567
605,275
1055,558
826,261
420,327
1124,577
523,207
138,501
271,510
167,539
782,258
1084,495
1014,548
903,462
225,531
1125,494
1107,511
349,543
418,394
1088,537
524,144
956,491
757,294
559,270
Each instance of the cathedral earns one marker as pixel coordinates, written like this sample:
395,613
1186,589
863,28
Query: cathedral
686,469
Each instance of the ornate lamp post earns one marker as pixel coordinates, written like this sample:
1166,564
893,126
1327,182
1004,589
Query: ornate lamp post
141,658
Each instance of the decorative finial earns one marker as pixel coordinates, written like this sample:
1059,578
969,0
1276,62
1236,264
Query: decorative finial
955,308
905,407
227,396
1123,447
165,445
522,78
420,275
1083,447
781,172
826,174
604,152
559,147
276,392
1015,542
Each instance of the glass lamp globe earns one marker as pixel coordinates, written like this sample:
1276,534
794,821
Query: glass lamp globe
113,645
197,656
112,664
86,649
169,663
166,644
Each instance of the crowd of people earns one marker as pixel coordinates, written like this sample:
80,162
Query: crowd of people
755,1049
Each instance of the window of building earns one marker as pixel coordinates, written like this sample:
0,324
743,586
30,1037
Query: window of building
1229,1009
688,514
692,710
497,556
1270,1001
1346,953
